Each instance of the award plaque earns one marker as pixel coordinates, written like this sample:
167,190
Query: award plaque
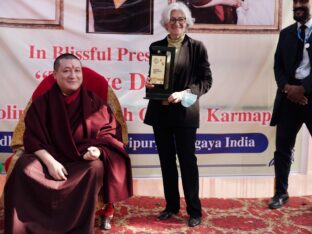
161,72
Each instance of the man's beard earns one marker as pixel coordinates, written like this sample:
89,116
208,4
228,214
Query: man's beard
302,17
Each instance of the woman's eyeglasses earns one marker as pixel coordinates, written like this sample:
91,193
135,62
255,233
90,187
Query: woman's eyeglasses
180,20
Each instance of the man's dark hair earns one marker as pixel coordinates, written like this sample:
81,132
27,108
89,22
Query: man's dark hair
57,61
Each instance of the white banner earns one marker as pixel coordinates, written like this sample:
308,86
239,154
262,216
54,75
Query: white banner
234,137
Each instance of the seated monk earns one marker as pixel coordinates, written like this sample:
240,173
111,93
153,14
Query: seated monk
71,150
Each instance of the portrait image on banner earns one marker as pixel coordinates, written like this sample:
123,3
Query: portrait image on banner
120,16
245,15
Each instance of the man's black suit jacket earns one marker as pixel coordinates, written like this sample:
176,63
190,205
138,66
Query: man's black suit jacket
285,65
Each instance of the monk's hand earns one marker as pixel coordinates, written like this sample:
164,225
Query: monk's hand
93,153
57,170
148,83
238,3
234,3
295,94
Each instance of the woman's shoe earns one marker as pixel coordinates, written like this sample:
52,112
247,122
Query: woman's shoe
194,221
278,201
166,214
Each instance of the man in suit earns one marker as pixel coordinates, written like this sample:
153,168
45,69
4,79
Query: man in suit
293,103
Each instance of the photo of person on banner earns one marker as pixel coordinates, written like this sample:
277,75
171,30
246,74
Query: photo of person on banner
233,12
175,120
213,11
256,12
120,16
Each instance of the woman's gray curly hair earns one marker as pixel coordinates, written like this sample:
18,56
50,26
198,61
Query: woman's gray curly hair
179,6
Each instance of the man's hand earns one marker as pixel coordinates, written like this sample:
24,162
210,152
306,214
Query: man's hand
92,154
295,94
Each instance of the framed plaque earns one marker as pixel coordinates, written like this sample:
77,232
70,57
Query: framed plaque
161,72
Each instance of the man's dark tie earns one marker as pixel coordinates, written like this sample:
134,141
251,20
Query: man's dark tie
301,43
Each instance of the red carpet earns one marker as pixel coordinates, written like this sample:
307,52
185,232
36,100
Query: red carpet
239,216
138,215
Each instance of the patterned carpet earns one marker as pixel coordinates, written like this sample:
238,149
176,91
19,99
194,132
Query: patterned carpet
230,216
220,216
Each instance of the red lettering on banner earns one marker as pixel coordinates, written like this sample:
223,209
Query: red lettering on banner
218,116
115,83
10,112
132,55
37,54
121,53
42,74
211,115
137,81
37,75
124,54
93,54
141,57
142,113
128,115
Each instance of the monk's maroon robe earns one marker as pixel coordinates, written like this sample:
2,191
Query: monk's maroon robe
66,127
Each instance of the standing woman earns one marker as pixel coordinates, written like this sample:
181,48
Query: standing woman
173,124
